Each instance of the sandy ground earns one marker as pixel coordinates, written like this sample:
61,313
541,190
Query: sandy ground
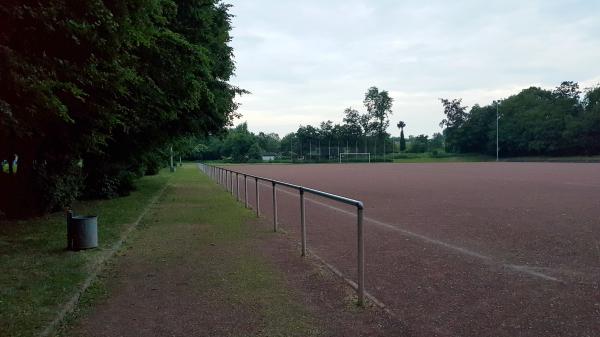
478,249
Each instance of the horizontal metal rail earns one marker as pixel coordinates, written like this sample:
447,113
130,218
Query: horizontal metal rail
220,175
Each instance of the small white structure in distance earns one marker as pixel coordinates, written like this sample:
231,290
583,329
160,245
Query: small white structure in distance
268,157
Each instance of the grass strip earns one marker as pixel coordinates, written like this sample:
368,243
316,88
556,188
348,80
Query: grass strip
197,232
38,275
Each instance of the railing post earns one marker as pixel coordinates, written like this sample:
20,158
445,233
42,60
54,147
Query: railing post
245,191
237,186
231,172
274,208
257,198
361,256
302,222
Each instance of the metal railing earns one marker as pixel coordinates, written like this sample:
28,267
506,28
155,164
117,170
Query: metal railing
226,178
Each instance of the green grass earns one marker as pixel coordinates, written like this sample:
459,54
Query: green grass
395,157
440,158
197,223
249,280
450,158
566,159
37,274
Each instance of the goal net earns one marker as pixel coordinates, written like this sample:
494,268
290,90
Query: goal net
355,157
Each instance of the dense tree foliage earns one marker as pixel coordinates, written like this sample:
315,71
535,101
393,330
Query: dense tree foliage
419,144
533,122
379,107
93,90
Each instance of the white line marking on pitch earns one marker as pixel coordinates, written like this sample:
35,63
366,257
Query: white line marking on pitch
522,269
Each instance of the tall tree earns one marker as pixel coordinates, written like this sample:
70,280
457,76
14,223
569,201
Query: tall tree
326,132
456,115
401,125
269,142
379,107
352,128
97,88
289,145
568,89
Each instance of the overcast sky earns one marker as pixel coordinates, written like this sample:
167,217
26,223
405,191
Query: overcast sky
306,61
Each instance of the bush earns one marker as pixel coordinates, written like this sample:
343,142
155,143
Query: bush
125,183
152,162
109,182
59,188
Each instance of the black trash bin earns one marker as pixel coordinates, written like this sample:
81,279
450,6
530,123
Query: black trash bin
82,231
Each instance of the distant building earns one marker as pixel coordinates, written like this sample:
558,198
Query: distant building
268,157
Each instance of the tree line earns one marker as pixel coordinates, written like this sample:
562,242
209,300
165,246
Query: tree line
308,144
535,121
358,132
559,122
95,91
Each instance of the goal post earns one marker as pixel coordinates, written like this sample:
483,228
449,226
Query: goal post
348,156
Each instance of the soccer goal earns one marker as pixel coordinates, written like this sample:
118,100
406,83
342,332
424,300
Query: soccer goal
355,156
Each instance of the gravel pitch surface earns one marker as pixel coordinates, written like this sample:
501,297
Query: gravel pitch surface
461,249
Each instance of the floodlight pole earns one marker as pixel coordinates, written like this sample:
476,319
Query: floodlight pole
497,131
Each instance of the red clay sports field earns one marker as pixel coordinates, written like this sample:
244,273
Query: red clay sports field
461,249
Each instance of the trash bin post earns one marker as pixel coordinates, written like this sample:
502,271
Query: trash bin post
69,230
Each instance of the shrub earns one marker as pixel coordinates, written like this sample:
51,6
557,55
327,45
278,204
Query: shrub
152,162
58,188
109,181
125,182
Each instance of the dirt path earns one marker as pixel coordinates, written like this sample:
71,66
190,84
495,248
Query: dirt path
200,265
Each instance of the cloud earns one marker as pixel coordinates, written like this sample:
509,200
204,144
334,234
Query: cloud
306,61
